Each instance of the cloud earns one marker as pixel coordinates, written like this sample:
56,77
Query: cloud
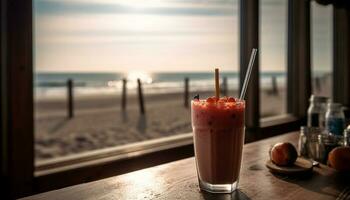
78,7
102,34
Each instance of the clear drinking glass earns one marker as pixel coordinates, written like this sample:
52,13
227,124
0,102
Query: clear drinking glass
218,132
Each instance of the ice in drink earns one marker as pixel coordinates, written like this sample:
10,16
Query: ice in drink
218,128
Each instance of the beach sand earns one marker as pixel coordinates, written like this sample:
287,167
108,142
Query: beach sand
99,121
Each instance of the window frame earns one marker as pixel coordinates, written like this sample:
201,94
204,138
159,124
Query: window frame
17,127
341,55
17,105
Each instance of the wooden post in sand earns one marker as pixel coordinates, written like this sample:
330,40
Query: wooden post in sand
274,85
139,89
186,95
224,86
318,84
124,94
70,103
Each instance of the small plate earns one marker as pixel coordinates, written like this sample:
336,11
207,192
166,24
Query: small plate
300,166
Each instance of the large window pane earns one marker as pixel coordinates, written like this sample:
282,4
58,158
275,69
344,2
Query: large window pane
273,57
321,49
98,43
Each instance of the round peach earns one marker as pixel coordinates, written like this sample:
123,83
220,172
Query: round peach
283,154
339,158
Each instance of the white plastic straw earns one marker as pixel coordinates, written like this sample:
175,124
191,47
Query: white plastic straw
247,75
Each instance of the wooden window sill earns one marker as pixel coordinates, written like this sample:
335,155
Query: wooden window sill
107,155
97,164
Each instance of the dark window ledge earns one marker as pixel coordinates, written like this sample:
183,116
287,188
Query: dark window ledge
108,155
94,165
272,126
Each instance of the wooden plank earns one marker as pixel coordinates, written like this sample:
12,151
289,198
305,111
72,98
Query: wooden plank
178,180
274,87
186,92
299,68
3,151
341,56
141,98
249,39
70,98
17,158
224,87
123,105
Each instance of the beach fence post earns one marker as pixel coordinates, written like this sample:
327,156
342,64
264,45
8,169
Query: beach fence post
224,87
124,94
318,84
186,92
274,85
70,103
141,101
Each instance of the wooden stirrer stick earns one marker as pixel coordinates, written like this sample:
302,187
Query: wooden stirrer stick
217,84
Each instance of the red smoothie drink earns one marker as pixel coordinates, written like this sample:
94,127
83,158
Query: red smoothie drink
218,127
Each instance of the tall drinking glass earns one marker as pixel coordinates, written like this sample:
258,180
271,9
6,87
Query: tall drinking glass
218,128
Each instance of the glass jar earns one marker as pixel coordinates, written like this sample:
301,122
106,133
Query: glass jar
302,144
335,119
308,145
316,111
347,136
327,143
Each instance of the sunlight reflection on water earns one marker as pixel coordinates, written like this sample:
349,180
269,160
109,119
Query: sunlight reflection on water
144,76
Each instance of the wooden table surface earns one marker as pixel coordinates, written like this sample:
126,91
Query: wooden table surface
178,180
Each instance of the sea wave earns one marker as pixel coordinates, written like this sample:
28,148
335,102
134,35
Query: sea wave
114,87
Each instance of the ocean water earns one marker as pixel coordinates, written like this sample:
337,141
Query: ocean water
54,84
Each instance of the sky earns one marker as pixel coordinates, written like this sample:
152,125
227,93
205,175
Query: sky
156,35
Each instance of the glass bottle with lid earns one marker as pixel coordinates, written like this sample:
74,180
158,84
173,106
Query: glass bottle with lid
347,136
335,119
317,111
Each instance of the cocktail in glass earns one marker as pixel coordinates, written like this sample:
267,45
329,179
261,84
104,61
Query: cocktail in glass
218,128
